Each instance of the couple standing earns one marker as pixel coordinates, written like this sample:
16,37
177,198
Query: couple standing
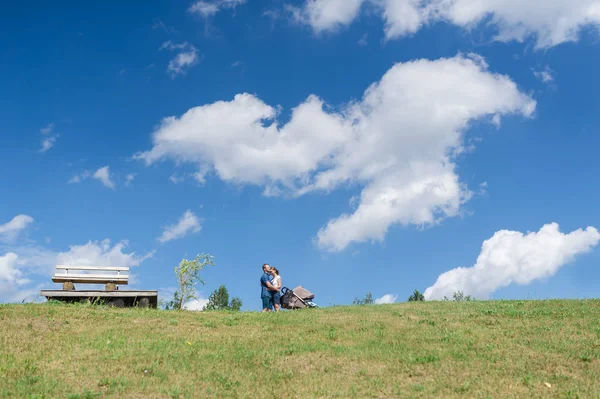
270,287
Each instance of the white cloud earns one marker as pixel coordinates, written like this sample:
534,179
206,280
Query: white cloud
47,143
9,271
386,299
204,8
397,142
511,257
169,45
209,8
129,178
101,253
103,174
550,22
189,222
9,231
79,178
176,179
48,129
544,76
50,137
196,304
326,15
184,60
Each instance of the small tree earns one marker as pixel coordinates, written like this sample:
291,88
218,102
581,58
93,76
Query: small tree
236,304
172,304
188,276
367,300
416,297
459,296
219,300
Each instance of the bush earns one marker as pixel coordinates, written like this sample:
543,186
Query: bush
416,297
459,296
219,300
367,300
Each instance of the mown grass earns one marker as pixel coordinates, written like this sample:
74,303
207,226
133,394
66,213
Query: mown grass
506,349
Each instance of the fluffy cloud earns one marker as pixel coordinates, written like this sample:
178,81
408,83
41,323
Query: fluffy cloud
9,271
544,76
186,57
189,222
103,174
513,257
9,231
101,253
386,299
551,22
182,62
398,142
324,15
196,304
48,143
208,8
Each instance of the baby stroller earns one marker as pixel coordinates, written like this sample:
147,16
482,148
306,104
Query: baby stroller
298,298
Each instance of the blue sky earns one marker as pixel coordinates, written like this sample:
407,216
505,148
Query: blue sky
482,125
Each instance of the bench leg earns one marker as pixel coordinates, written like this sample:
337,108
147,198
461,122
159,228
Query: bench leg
117,303
144,302
68,286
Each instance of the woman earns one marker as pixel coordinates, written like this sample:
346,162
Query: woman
276,282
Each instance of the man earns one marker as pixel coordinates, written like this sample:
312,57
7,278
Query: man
266,289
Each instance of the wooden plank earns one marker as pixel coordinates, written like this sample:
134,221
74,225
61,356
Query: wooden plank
87,280
107,268
88,294
94,275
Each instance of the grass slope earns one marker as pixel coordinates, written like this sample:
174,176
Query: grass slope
504,349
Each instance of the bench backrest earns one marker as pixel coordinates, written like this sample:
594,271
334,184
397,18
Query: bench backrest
116,269
91,274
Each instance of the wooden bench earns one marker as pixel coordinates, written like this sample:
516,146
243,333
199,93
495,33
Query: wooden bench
111,295
109,275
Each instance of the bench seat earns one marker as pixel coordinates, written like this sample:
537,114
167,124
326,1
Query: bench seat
90,279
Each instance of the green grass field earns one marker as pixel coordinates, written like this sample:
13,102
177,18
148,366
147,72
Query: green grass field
506,349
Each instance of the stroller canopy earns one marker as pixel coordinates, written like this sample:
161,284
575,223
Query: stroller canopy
303,293
298,298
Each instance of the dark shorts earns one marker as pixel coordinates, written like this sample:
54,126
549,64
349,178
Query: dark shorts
276,298
267,302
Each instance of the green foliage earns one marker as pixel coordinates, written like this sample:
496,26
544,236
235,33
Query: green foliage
367,300
172,304
236,304
416,297
219,300
459,296
188,276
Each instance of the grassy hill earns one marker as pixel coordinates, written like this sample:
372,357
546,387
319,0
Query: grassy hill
504,349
